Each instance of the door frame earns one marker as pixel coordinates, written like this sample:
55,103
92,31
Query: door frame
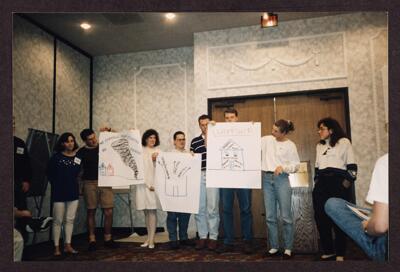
233,99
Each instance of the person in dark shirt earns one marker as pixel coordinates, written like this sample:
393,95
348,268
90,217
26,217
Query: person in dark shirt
62,172
94,194
22,181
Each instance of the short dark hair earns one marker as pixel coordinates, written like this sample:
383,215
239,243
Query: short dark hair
86,133
147,134
178,133
63,139
203,117
231,110
337,131
285,126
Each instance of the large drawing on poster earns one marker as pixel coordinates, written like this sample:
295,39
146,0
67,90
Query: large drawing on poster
120,159
234,155
177,181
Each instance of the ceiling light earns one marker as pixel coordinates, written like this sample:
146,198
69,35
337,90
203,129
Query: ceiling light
85,26
269,19
170,16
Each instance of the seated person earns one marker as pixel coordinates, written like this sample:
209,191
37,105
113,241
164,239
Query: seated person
18,240
33,224
370,234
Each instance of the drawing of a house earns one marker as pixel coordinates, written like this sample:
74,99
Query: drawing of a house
232,156
110,170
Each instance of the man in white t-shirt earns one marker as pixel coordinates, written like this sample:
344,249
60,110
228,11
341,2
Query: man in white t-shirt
371,233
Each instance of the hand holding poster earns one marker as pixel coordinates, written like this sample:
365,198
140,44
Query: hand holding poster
120,159
234,155
177,181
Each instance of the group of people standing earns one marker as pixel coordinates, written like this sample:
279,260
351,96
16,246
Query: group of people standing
335,173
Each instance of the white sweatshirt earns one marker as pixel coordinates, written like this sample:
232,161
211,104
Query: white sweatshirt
275,153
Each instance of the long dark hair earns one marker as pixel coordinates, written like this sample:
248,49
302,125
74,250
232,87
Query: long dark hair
147,135
63,139
337,131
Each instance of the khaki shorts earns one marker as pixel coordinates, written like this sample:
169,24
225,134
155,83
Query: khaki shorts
95,195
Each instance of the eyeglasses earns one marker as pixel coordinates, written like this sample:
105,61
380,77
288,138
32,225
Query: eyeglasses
322,129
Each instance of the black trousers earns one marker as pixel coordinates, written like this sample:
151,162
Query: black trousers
327,186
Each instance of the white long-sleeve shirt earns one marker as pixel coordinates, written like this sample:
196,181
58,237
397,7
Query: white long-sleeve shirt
275,153
338,156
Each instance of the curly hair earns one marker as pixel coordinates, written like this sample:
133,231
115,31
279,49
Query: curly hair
147,134
337,131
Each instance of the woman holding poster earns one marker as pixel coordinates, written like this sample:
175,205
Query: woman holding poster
146,198
279,158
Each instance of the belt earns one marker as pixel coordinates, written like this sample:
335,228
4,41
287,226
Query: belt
269,172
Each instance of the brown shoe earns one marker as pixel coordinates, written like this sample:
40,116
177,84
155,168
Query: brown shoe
212,244
200,244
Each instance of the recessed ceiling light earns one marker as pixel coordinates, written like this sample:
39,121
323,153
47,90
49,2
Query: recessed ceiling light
85,26
170,16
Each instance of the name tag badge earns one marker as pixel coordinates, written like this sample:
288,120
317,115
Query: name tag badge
77,161
20,150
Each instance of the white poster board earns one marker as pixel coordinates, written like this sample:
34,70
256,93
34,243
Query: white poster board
120,159
177,181
234,155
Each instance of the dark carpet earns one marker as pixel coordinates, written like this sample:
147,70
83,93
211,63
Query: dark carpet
132,252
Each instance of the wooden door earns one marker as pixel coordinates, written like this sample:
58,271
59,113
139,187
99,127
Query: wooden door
304,110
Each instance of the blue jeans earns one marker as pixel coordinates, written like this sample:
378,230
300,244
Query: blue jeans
207,220
246,220
175,219
277,190
374,246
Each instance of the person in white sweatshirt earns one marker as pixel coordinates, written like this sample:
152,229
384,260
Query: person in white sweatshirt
279,158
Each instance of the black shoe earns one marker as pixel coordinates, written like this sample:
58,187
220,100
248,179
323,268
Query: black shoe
248,247
92,246
111,244
225,248
173,245
187,242
287,256
275,254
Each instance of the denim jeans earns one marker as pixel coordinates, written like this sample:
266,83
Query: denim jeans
207,220
175,219
374,246
246,220
277,190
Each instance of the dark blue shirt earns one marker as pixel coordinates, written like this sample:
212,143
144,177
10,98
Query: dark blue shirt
197,146
62,173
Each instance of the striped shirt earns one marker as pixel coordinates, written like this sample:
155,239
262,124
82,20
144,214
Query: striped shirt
197,146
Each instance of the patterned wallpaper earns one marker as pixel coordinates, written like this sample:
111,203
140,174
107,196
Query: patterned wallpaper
72,98
32,78
33,56
319,53
145,90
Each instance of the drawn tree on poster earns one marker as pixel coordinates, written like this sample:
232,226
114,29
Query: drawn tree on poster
175,178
